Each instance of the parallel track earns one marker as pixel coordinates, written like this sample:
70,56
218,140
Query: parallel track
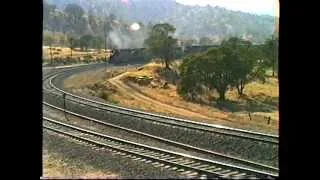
263,172
184,162
228,158
260,137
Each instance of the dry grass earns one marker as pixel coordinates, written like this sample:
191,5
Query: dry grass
148,70
236,117
83,79
221,116
55,165
255,91
77,54
152,69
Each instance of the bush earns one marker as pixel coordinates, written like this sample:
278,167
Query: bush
104,95
113,101
169,75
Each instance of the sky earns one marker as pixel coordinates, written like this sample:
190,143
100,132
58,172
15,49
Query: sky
260,7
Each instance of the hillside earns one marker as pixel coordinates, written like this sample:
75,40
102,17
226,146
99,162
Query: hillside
144,89
190,21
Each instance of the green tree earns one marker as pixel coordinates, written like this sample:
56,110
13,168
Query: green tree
86,41
62,40
97,42
218,74
234,63
161,43
245,58
190,72
49,40
270,50
72,41
205,41
210,70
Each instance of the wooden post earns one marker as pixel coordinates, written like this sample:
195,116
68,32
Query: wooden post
64,104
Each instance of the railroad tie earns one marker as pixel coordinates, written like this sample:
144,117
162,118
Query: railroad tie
194,164
216,170
173,168
201,166
177,160
224,171
169,158
209,168
239,175
230,174
193,174
187,162
159,165
186,172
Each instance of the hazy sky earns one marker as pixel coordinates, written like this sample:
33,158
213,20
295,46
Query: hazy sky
269,7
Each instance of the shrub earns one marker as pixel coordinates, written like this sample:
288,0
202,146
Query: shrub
104,95
113,101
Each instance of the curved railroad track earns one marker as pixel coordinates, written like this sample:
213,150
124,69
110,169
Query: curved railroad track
50,88
262,137
230,159
190,164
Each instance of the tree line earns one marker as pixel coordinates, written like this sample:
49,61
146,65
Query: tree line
233,64
74,22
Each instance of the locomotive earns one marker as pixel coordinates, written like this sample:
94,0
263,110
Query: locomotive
126,56
141,55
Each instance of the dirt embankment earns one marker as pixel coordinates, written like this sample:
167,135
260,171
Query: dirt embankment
151,88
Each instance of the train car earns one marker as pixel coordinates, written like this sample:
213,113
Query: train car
128,56
141,55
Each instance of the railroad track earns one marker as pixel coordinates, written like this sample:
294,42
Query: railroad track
187,164
224,157
51,88
260,137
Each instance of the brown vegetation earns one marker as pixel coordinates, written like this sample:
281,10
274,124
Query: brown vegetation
63,53
148,88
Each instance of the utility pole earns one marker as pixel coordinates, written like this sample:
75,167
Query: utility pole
105,39
274,60
64,106
105,42
276,54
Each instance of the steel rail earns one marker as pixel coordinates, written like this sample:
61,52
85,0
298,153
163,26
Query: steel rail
176,121
182,145
185,161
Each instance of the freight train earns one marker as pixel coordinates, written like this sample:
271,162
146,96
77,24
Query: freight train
141,55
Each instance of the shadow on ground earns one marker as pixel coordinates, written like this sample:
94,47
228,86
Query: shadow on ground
265,104
269,104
